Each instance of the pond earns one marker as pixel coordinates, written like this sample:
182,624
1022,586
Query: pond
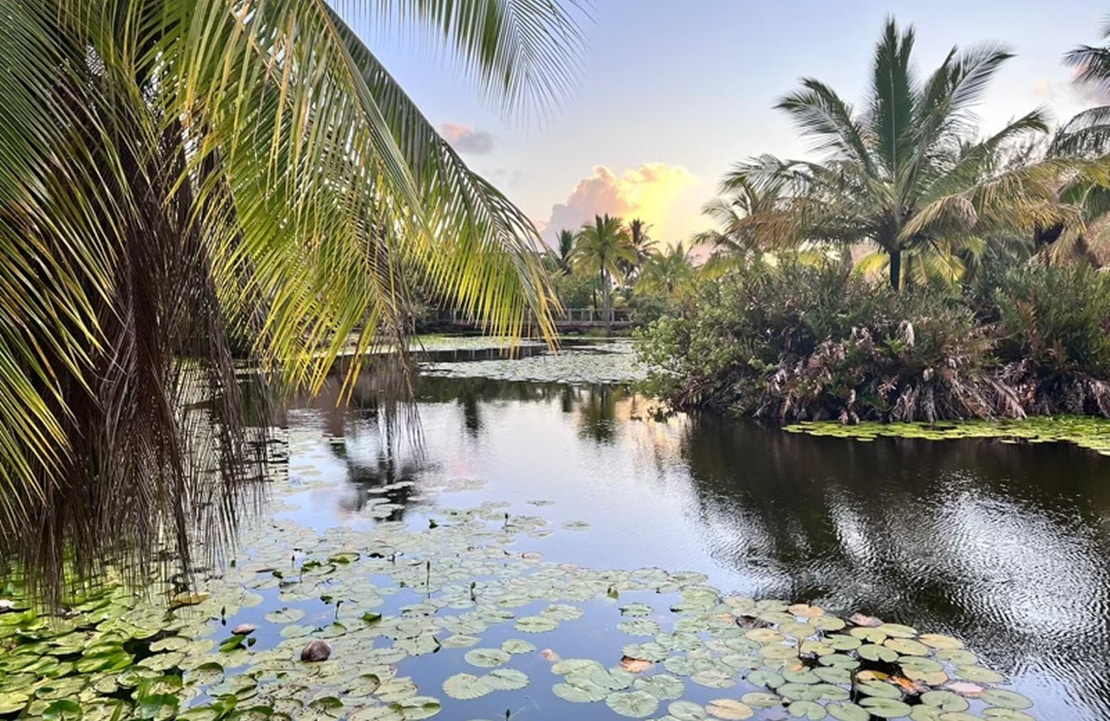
1004,546
551,547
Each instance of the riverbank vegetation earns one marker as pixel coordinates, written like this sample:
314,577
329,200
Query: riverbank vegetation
918,270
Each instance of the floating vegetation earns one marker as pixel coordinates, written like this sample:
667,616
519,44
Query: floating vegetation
383,602
1083,431
602,362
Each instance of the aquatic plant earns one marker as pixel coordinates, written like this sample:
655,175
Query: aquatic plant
459,616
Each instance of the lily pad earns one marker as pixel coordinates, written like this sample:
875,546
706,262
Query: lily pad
465,686
686,711
885,707
729,709
633,704
1004,698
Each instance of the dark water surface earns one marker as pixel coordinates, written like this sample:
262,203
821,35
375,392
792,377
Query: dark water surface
1004,546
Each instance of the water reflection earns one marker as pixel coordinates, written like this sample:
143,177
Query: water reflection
1003,545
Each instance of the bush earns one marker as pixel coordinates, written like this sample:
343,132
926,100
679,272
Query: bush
800,342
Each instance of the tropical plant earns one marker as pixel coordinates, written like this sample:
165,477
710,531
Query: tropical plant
178,173
600,248
666,273
642,244
558,259
906,172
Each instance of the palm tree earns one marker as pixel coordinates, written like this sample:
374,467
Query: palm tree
666,273
181,177
566,249
905,172
600,247
642,244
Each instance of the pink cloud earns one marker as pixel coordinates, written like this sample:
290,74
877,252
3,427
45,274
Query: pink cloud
465,139
650,192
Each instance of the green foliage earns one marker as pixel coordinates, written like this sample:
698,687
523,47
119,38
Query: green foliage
803,342
181,180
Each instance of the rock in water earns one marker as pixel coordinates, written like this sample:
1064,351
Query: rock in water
243,629
315,651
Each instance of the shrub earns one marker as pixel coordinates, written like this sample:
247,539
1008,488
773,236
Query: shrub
798,342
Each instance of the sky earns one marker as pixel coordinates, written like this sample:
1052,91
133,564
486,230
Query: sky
672,92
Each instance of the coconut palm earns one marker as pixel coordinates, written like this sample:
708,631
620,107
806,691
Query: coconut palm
666,273
643,246
905,172
179,178
600,248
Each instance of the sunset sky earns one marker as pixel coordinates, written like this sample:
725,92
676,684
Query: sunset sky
673,92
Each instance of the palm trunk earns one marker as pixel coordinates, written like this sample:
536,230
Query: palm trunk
896,269
607,301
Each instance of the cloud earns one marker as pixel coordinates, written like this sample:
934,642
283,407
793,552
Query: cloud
1070,92
654,192
467,140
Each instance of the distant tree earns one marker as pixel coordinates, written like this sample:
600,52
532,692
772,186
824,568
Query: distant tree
600,247
642,244
666,273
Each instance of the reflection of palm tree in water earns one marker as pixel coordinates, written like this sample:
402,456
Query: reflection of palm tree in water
869,526
387,478
597,414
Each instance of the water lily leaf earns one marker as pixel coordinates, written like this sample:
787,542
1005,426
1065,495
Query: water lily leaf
633,704
729,709
515,646
872,652
831,674
945,700
777,651
570,665
871,635
765,635
285,615
639,627
760,699
686,711
486,657
926,713
766,677
536,624
647,651
939,641
978,674
465,686
506,679
576,525
878,689
64,710
714,678
807,710
841,642
906,647
12,701
579,694
800,675
897,630
661,686
1003,698
636,609
845,711
885,707
418,707
957,656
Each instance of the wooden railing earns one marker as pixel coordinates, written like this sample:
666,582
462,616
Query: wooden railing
570,317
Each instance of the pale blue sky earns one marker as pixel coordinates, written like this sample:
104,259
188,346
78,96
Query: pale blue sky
687,87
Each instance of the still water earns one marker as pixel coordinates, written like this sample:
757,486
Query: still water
1004,546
